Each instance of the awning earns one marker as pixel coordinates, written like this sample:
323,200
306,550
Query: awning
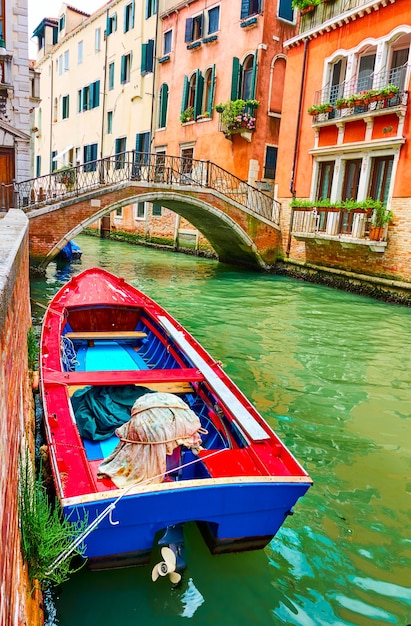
62,153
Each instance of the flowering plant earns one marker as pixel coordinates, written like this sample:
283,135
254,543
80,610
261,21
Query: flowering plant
237,114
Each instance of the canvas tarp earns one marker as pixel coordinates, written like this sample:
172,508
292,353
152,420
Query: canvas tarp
159,423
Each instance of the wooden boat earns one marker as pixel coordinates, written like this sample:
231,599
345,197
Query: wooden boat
102,334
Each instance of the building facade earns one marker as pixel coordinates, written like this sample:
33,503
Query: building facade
14,98
344,154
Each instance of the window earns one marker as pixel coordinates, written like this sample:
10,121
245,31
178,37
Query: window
285,10
209,87
351,179
66,61
213,20
109,122
111,76
398,69
194,28
38,166
53,161
140,211
129,16
156,210
325,180
62,22
97,39
167,42
89,97
119,213
337,80
381,172
125,68
142,147
270,162
120,150
193,89
151,8
365,72
162,106
243,79
60,64
90,157
147,57
111,24
80,52
250,7
65,107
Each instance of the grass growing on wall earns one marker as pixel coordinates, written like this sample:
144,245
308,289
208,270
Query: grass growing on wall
32,349
45,533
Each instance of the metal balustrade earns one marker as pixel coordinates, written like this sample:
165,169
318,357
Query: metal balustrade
334,222
154,169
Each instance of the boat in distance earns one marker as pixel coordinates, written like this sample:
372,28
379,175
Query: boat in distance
146,432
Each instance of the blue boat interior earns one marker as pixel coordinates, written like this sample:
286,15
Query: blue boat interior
141,354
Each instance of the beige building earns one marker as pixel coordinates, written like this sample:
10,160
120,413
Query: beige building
14,98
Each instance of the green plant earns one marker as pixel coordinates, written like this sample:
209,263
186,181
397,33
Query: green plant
234,115
316,109
381,216
303,4
187,115
32,349
67,176
45,533
389,90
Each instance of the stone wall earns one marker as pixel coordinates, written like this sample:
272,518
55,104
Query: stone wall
19,604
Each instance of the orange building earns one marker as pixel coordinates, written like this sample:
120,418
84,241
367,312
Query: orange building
223,53
344,156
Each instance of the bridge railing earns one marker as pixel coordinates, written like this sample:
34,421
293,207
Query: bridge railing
144,167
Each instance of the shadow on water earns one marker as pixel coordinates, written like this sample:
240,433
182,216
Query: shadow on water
330,373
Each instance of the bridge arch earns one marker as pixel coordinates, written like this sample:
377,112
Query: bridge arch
228,228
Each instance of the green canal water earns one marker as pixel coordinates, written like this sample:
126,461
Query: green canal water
330,372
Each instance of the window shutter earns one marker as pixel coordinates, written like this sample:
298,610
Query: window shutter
91,97
184,100
254,75
143,58
148,7
126,24
198,96
163,105
123,70
210,102
85,99
189,30
150,55
132,13
97,93
109,25
245,8
235,79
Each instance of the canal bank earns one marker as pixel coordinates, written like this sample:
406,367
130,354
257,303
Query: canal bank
20,602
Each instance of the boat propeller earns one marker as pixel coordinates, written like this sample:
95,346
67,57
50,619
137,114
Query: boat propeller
166,567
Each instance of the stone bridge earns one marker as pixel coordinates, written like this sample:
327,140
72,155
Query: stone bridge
240,222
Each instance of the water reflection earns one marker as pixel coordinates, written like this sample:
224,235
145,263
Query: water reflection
330,373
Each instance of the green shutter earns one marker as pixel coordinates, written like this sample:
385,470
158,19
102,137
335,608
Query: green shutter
132,13
184,100
163,105
210,102
235,79
123,69
143,69
97,93
108,25
198,96
254,75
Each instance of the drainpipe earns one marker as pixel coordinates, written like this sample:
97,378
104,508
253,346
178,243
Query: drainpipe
153,95
103,114
51,112
297,140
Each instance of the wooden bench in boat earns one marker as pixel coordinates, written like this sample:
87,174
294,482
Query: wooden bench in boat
178,387
124,377
92,336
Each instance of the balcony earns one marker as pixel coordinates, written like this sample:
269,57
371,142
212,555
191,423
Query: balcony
375,94
326,13
355,227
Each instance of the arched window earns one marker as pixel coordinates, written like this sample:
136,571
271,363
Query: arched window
192,85
209,82
247,86
244,77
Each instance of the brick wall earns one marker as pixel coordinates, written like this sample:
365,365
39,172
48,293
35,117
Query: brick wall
18,604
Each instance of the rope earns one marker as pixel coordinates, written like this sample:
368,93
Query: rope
201,431
66,553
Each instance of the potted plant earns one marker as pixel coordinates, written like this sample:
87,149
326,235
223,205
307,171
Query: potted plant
235,118
380,219
316,109
187,115
67,176
341,103
305,6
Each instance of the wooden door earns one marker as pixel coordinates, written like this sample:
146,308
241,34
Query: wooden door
6,177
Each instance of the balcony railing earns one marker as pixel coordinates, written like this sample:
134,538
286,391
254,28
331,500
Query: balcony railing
370,91
349,226
333,10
